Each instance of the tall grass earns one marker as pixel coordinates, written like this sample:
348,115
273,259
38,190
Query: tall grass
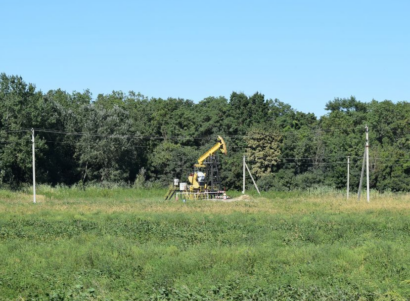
123,244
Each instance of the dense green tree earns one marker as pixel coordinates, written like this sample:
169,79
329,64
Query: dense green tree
116,136
211,117
390,145
245,112
107,148
21,108
346,105
169,161
62,112
263,150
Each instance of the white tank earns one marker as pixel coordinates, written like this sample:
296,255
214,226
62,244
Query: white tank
182,186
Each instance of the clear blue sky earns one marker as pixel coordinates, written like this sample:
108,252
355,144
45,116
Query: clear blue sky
303,52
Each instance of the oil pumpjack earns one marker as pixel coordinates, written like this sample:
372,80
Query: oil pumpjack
204,182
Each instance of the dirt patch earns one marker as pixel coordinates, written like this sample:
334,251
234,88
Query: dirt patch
243,197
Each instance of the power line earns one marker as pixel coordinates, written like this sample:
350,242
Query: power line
141,137
152,137
16,131
175,137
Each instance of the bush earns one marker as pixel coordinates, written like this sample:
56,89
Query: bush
140,180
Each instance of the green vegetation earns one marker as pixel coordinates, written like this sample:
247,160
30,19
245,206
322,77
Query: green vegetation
129,244
132,140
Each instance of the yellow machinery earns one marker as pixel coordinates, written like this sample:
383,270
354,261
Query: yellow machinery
204,181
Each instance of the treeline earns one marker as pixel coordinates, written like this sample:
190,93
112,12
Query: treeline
129,139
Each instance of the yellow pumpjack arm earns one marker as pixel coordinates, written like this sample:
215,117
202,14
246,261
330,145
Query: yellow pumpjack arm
220,145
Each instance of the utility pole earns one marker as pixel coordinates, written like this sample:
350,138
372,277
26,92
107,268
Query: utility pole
244,175
367,164
34,167
348,177
361,176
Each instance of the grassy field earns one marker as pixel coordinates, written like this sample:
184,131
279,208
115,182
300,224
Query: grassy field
126,244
